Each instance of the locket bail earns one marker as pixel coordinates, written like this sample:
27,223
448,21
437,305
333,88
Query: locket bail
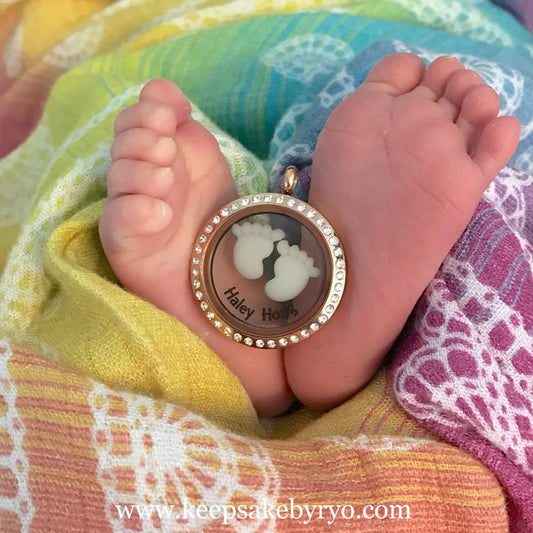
290,179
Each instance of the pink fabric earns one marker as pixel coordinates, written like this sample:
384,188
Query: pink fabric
464,364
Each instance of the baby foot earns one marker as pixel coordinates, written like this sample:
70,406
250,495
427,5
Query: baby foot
399,169
167,177
292,272
255,242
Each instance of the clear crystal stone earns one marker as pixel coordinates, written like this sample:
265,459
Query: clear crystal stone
248,341
340,263
199,295
234,206
268,198
338,287
271,343
195,272
195,260
210,315
329,309
256,200
338,252
311,214
204,306
245,201
198,249
314,326
237,337
279,199
283,342
304,333
301,208
291,203
224,212
259,343
327,231
335,298
333,241
320,222
202,239
218,324
294,339
322,319
227,332
340,275
196,284
209,229
216,219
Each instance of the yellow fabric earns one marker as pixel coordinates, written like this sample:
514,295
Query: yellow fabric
126,341
57,18
8,235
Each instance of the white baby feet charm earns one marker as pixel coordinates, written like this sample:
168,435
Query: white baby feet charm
292,272
254,243
268,269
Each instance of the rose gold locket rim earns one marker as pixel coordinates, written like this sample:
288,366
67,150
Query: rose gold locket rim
206,243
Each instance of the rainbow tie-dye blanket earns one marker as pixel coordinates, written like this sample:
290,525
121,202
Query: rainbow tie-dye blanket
115,417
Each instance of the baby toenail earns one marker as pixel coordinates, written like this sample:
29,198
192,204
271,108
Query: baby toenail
166,145
164,175
160,210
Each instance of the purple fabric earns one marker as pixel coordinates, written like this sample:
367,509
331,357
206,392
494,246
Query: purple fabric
523,9
463,366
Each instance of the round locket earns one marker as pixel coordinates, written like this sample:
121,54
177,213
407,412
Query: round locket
267,269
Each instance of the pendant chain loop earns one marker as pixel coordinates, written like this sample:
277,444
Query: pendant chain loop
290,179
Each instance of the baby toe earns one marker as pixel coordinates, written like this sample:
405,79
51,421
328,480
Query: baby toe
142,144
437,77
480,106
127,176
127,219
398,73
497,143
165,91
459,85
150,114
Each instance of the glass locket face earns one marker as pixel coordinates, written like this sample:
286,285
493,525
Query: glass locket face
268,270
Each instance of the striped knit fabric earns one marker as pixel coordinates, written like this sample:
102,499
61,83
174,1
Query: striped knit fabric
71,450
